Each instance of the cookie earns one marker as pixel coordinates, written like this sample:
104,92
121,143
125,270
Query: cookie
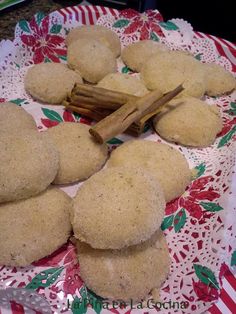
104,35
124,83
218,80
14,118
164,162
28,164
189,121
34,228
118,207
125,274
80,155
166,70
50,82
136,54
92,59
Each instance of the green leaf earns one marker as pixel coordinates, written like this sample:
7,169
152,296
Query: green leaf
46,60
233,259
146,127
24,26
211,207
76,115
169,25
97,301
121,23
18,101
154,37
114,140
52,115
78,306
198,56
56,28
225,139
167,222
200,169
125,70
179,220
206,275
45,278
232,111
63,58
39,17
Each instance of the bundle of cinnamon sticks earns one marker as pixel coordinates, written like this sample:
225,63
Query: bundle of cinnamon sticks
116,112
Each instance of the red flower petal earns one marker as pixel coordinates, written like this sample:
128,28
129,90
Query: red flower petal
60,52
68,117
34,26
49,123
200,183
54,40
28,40
154,15
45,25
225,130
144,32
172,207
156,29
205,195
51,56
194,209
129,13
205,292
72,280
133,27
38,55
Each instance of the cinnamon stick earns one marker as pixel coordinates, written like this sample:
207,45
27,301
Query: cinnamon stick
132,111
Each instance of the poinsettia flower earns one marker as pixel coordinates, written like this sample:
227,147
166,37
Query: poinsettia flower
43,44
205,293
190,200
146,23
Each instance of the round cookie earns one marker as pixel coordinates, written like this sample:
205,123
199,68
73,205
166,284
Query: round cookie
80,155
34,228
124,83
125,274
218,80
169,69
136,54
14,118
28,164
189,121
50,82
92,59
164,162
125,207
98,32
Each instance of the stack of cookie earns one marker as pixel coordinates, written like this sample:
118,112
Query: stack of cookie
34,218
117,215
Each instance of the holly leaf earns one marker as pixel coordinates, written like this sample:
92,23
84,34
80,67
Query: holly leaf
200,169
232,110
198,56
45,278
39,17
211,207
179,220
233,259
115,140
205,275
52,115
225,139
154,37
125,70
167,222
121,23
78,306
55,29
24,26
18,101
169,25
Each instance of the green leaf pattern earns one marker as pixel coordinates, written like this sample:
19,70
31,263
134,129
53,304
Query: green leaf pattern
121,23
206,275
179,220
45,278
52,115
